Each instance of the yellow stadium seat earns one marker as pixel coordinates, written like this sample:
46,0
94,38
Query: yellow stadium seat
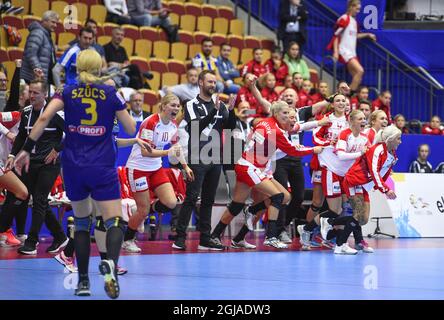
169,79
155,81
98,12
59,7
65,38
24,32
38,7
82,11
161,49
204,24
237,27
266,54
102,40
10,68
128,44
220,25
179,51
235,54
188,22
174,17
194,49
21,3
143,48
246,55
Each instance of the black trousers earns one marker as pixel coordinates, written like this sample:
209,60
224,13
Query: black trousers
206,179
39,181
291,171
114,18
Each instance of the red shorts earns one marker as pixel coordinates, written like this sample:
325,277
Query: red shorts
355,190
331,183
141,181
250,175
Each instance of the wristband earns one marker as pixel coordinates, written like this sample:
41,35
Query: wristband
29,145
11,156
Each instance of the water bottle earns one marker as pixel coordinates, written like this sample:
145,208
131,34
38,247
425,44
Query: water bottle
70,227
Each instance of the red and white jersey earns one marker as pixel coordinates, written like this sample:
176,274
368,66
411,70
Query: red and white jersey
263,142
325,135
156,133
370,133
9,122
372,169
335,160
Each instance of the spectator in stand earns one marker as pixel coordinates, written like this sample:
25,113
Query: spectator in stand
439,168
304,94
227,70
185,91
293,17
344,42
434,127
362,94
206,61
421,165
39,54
366,107
91,24
294,61
298,81
245,94
150,13
383,103
136,104
255,66
277,66
117,11
268,83
288,82
321,93
3,90
399,122
117,58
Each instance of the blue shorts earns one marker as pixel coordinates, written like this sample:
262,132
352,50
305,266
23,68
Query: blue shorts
101,183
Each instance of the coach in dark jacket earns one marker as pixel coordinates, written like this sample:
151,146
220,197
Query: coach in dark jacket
39,55
293,17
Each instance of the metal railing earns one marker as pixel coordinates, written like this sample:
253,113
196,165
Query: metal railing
415,93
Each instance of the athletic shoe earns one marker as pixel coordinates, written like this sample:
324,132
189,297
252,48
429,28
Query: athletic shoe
284,237
249,217
83,289
27,249
179,244
243,244
131,246
275,243
213,244
108,270
315,244
363,245
304,236
22,237
330,244
67,262
121,271
345,249
57,245
8,239
325,227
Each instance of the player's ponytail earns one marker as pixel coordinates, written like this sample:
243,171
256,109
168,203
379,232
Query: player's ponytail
387,134
89,65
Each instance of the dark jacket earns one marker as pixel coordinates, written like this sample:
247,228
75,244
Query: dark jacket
39,52
144,114
285,17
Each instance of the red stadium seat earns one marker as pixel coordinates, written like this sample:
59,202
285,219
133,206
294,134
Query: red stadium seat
199,36
150,97
27,20
186,37
218,38
131,31
225,12
268,44
193,9
236,41
210,10
177,7
162,34
176,66
108,28
158,65
252,42
149,33
142,63
15,53
13,21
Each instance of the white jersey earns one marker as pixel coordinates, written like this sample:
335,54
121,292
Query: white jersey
347,143
323,136
348,32
5,143
156,133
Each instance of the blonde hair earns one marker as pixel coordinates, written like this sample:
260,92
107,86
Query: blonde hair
374,115
387,134
89,64
354,114
263,79
352,3
166,100
277,106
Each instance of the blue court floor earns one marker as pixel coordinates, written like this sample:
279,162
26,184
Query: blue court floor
404,272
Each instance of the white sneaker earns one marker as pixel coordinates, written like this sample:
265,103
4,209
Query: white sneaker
363,245
284,237
242,244
67,262
275,242
22,237
130,246
344,249
249,217
304,238
325,227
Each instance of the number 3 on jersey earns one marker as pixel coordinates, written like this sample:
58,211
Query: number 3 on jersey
90,110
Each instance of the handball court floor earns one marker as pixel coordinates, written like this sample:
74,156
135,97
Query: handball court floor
399,269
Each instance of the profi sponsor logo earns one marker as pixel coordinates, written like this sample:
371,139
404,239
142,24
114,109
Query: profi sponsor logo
91,130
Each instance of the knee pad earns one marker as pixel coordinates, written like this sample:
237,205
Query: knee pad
276,200
100,225
117,222
235,208
82,224
315,209
328,214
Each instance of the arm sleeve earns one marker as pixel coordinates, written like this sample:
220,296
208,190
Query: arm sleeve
308,126
13,101
146,131
21,137
231,121
342,155
60,124
373,159
285,145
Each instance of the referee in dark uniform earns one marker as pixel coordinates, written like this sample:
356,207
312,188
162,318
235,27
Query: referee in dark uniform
43,170
205,119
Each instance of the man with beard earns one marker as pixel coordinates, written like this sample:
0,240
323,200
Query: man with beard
205,119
